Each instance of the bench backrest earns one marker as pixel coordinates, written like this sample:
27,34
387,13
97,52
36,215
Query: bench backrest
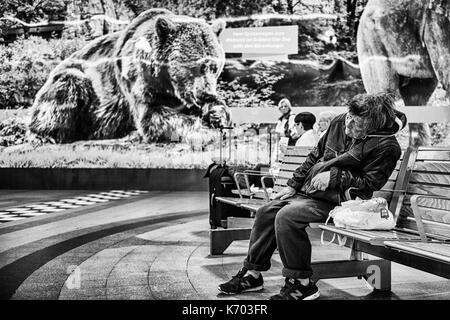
430,176
290,160
295,156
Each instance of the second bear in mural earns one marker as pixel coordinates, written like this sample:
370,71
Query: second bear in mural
158,77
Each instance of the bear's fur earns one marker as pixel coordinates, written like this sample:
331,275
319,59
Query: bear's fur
404,47
158,77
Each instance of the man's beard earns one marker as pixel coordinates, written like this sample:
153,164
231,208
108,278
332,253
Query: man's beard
355,134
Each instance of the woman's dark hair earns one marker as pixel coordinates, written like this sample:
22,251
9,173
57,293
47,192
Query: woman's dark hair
379,108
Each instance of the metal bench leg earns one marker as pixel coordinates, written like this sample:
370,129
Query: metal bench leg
220,239
378,272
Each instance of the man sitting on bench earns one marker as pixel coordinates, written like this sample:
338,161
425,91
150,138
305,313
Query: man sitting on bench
359,151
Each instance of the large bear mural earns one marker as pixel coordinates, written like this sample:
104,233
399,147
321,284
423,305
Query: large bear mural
157,77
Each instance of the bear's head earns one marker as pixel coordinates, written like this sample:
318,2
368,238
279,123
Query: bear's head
186,58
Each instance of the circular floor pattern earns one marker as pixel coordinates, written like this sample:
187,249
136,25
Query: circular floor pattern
172,261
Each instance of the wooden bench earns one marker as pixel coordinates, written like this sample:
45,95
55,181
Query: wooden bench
239,228
420,239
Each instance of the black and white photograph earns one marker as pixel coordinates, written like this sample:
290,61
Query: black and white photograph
225,154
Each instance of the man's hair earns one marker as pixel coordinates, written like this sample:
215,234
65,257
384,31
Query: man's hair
379,108
307,119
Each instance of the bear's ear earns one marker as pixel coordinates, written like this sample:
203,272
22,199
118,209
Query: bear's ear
218,26
164,27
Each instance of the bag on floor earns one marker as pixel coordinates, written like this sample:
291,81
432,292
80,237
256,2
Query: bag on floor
221,184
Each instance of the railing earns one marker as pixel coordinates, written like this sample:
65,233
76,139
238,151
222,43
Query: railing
270,115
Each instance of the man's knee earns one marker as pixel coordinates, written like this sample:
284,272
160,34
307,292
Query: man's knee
289,216
269,208
261,210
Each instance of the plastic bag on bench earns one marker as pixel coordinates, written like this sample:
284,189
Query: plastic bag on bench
360,214
372,214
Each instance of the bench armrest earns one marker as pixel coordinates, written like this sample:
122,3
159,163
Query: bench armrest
235,176
415,197
247,173
254,172
263,178
417,212
392,190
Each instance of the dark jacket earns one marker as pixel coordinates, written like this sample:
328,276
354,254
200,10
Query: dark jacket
364,164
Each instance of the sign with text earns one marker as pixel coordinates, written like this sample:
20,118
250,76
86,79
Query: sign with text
264,40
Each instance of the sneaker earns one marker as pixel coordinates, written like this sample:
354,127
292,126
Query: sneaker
241,283
294,290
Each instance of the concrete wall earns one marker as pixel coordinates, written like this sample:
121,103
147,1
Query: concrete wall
104,179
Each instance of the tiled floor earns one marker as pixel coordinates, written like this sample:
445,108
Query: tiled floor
9,214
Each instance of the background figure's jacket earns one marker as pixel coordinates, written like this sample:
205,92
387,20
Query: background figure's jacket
286,127
364,164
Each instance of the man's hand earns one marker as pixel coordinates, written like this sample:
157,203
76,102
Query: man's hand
321,181
285,193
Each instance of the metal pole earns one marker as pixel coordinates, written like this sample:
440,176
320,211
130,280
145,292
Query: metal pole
229,144
270,148
220,147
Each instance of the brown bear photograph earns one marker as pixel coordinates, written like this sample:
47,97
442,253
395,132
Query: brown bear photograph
215,153
149,77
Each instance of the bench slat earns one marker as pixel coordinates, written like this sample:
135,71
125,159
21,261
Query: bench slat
429,203
414,188
432,228
435,251
239,201
245,193
277,188
437,215
252,207
284,175
394,175
432,167
229,200
442,204
293,160
431,214
368,235
281,181
298,151
431,178
436,154
289,166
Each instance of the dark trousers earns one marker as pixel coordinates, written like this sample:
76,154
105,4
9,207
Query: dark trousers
281,224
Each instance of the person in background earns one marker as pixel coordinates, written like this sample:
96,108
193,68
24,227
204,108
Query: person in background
324,121
286,124
308,136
